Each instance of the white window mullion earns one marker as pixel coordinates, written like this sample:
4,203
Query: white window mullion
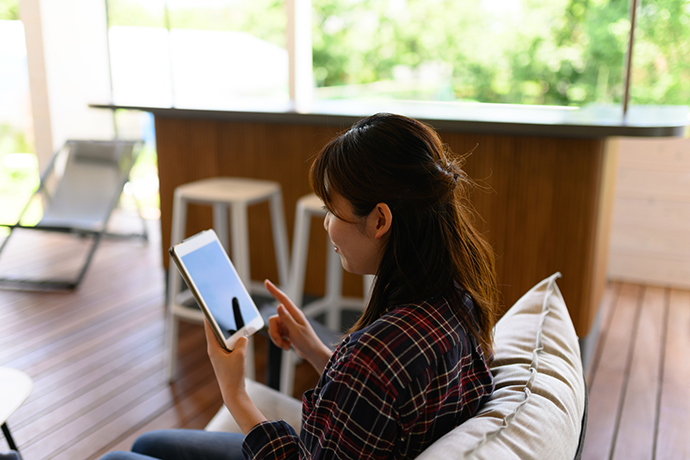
301,79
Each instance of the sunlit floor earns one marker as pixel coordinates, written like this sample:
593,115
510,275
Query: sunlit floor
97,358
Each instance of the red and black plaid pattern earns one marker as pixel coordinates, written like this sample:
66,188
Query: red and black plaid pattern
388,391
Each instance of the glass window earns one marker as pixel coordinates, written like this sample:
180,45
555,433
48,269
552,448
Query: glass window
560,52
661,59
216,53
194,53
139,53
18,165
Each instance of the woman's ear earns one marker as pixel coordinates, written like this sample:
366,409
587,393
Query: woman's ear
383,218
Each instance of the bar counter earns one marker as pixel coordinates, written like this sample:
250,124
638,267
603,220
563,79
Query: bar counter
545,178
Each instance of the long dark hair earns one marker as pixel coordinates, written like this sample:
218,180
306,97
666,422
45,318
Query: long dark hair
433,243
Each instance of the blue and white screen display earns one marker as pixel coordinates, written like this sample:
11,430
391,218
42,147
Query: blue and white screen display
220,288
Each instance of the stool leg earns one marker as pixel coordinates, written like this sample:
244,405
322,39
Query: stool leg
280,238
220,223
240,242
287,372
300,246
334,289
172,333
250,371
174,284
179,221
368,283
240,255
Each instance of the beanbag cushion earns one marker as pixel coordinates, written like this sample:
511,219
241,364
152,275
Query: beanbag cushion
537,408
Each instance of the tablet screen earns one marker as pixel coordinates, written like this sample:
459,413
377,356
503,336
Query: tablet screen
220,288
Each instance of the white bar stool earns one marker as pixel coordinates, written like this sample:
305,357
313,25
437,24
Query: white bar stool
222,193
333,302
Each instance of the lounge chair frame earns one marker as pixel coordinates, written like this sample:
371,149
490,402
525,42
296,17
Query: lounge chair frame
80,188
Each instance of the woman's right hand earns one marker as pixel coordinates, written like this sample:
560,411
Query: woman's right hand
291,328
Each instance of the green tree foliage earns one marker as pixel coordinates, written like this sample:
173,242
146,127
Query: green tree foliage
136,13
265,19
556,52
9,10
662,53
562,52
360,42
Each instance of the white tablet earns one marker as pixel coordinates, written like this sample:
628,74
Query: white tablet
213,280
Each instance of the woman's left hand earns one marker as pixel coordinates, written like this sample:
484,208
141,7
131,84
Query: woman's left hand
230,370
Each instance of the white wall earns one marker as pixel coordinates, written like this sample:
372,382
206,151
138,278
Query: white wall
650,239
14,78
68,69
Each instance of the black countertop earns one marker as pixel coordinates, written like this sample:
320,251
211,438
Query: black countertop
593,121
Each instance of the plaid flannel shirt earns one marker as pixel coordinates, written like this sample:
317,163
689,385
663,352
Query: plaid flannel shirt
389,390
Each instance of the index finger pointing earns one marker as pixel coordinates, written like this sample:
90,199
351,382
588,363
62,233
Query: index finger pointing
281,297
275,292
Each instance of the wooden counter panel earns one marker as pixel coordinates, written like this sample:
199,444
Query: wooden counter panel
190,150
541,205
541,213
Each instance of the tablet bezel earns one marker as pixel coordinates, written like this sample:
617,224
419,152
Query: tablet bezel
191,244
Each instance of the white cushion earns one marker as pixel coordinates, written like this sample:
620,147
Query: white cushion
273,404
537,407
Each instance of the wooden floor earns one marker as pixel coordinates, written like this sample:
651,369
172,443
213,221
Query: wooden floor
97,355
97,360
639,382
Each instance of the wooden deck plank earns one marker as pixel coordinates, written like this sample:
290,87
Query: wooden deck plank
56,395
65,322
607,307
79,384
146,407
50,255
48,307
40,419
44,425
638,414
673,440
608,382
92,412
41,307
206,397
12,311
101,362
35,255
97,357
45,355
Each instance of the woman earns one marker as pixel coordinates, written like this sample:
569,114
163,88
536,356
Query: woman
416,364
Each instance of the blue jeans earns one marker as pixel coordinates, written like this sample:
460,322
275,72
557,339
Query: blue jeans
183,445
